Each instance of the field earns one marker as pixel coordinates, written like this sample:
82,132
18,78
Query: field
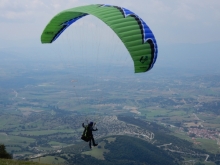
16,162
44,112
49,160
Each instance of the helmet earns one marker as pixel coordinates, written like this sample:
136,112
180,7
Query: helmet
91,123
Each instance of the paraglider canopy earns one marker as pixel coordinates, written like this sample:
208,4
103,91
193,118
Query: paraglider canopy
130,28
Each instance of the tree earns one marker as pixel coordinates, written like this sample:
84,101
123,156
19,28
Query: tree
192,135
3,152
199,163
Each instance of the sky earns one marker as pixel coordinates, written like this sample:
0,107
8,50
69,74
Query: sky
172,22
182,21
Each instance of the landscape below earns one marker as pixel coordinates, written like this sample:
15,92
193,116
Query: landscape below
176,116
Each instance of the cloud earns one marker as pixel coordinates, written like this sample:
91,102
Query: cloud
184,11
196,10
18,10
171,21
25,10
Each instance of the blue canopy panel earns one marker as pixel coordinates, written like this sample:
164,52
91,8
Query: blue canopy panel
147,35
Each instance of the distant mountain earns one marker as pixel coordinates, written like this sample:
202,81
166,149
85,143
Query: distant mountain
118,150
192,57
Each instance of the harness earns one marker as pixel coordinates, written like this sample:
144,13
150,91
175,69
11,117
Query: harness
85,135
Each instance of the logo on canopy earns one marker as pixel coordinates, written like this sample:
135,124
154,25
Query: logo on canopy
143,59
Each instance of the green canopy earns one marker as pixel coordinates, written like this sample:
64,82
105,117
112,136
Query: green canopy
130,28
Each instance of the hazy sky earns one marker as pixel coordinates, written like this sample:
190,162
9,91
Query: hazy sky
181,21
174,23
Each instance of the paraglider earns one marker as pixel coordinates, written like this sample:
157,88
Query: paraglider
87,134
130,28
